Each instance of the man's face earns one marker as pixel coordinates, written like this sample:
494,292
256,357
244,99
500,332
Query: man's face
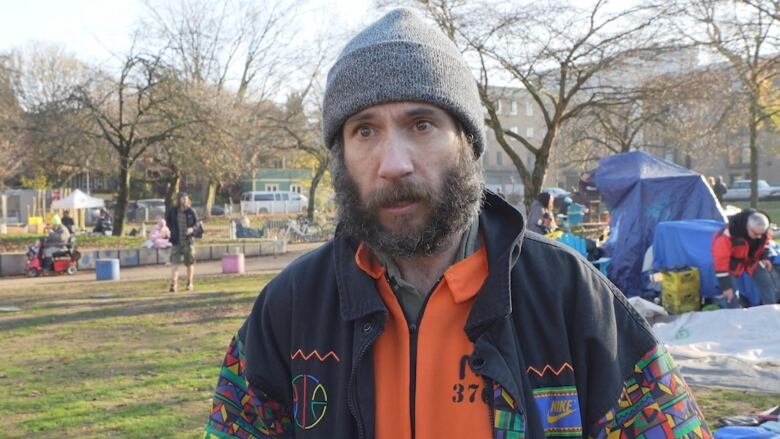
755,233
409,179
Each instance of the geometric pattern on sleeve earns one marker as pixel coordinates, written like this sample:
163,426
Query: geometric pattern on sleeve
236,411
655,403
508,416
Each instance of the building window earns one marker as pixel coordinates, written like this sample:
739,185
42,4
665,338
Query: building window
513,129
529,108
498,106
271,187
745,156
295,188
499,158
513,111
529,132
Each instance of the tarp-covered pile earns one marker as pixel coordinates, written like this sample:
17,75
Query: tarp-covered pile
733,348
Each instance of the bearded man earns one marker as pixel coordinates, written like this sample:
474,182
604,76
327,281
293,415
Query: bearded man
432,313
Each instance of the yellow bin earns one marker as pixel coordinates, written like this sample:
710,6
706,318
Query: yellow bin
680,290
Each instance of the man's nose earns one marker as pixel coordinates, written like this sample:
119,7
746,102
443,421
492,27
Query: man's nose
396,159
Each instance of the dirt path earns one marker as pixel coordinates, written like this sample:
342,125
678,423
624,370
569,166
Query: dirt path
253,265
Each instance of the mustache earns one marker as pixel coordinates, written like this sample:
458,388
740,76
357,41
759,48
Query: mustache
401,192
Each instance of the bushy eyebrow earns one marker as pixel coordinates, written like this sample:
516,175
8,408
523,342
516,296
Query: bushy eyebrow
368,115
421,111
361,117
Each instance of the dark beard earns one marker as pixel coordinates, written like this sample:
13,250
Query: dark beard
452,208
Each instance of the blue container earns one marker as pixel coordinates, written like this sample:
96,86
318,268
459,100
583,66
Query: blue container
107,269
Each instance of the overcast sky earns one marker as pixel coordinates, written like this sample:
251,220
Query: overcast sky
93,29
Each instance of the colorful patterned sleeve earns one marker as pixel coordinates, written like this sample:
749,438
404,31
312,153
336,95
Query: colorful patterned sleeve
237,412
655,403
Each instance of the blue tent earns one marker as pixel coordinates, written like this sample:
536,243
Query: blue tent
640,191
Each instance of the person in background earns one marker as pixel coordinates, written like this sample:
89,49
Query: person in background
55,242
160,236
547,223
68,222
104,223
720,189
739,248
543,203
182,221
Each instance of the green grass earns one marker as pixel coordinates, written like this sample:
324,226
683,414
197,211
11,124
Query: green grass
141,362
772,208
19,242
717,403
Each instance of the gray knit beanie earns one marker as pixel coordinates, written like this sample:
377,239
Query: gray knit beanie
402,58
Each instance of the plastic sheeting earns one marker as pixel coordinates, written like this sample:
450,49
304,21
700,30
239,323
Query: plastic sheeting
642,190
687,244
733,348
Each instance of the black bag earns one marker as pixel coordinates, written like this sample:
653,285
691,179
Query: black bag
198,230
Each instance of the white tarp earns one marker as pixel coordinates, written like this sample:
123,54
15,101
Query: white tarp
78,200
735,348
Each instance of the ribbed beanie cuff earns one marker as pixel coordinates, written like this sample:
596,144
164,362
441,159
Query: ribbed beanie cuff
402,58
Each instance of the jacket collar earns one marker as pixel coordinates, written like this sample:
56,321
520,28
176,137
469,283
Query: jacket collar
502,228
357,291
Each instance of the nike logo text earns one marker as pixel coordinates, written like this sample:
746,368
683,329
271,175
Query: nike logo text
559,410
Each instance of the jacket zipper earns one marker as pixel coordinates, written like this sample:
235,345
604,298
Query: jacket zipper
491,404
351,394
414,329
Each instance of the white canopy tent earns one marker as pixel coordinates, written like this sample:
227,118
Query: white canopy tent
78,200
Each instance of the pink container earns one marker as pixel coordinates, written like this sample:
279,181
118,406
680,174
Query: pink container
233,263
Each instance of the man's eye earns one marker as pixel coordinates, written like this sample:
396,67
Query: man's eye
423,125
365,131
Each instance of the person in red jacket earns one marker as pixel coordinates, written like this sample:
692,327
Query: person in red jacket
740,247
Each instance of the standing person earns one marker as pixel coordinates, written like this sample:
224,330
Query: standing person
182,221
423,318
68,222
740,247
720,189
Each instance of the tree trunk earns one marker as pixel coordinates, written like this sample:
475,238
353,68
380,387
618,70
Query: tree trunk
173,189
123,196
533,185
318,174
754,120
209,195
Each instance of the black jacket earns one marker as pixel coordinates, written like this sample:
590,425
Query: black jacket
546,327
173,224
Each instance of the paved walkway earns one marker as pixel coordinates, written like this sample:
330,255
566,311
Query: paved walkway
256,265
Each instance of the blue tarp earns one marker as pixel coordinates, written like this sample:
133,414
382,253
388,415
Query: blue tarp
689,244
640,191
745,433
